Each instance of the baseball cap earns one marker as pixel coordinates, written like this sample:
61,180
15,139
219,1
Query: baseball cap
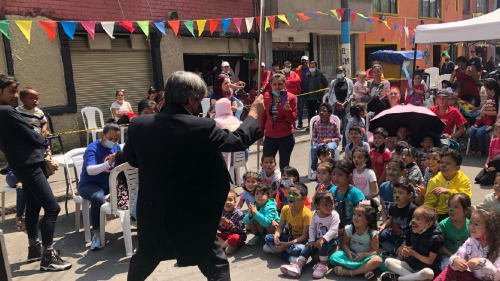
263,64
304,58
443,93
225,63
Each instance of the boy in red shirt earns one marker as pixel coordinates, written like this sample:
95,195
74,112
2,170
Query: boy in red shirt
449,115
417,97
380,155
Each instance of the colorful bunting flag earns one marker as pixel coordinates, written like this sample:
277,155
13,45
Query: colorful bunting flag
411,32
189,24
249,23
267,24
310,13
334,12
258,21
271,22
144,25
175,25
293,16
127,25
387,25
369,20
69,27
213,25
321,13
4,28
201,26
353,15
326,13
342,11
160,25
90,27
225,24
237,23
302,16
340,14
50,28
25,26
395,28
406,31
283,18
109,27
400,30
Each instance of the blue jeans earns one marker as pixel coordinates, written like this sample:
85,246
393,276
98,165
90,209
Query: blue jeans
343,120
292,251
95,194
390,241
323,252
283,145
301,101
314,155
20,202
481,135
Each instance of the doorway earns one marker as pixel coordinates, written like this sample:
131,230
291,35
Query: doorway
436,55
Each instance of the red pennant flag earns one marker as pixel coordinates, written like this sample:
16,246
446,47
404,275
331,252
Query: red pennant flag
213,25
127,25
341,15
321,13
411,32
302,16
175,25
375,18
353,15
50,28
258,21
271,22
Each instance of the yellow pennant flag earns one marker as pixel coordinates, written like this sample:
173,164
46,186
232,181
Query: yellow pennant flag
335,14
283,18
25,26
387,25
201,26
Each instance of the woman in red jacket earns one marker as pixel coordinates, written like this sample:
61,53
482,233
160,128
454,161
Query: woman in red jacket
277,121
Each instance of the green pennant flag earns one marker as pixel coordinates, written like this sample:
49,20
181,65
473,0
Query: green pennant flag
267,24
328,12
189,25
293,16
4,28
144,25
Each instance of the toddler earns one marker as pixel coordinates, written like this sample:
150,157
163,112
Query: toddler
417,97
492,200
250,181
363,176
270,174
324,178
261,214
361,86
232,232
30,111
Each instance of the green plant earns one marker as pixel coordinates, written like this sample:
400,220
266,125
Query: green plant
55,149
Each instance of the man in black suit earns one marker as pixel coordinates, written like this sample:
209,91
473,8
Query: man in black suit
183,179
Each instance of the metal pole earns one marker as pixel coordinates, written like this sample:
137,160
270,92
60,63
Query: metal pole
414,60
345,38
261,37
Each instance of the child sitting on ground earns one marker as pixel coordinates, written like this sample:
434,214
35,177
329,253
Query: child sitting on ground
478,258
358,114
324,177
492,200
395,169
487,175
289,176
261,214
421,252
455,228
298,218
232,230
30,111
250,181
433,166
395,229
380,155
355,132
448,181
410,156
417,97
270,174
427,143
323,232
363,176
360,87
359,251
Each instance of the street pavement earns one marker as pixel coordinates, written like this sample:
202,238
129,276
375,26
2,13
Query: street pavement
110,263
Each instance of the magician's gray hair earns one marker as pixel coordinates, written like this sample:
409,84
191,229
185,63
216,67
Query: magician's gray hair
182,85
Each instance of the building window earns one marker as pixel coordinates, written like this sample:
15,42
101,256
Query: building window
385,6
482,6
466,5
429,8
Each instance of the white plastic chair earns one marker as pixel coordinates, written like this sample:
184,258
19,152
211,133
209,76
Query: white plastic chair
234,168
76,156
441,79
6,189
433,77
89,114
132,176
311,125
205,104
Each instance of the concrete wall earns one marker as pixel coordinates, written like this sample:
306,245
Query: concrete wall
171,54
3,63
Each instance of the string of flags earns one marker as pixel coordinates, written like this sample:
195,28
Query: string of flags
69,27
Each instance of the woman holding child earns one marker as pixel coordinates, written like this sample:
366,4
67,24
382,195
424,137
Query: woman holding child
469,77
378,99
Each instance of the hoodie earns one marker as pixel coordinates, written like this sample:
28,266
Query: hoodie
224,115
292,82
459,184
425,243
264,215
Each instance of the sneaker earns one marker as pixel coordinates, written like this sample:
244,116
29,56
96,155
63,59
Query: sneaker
313,176
255,240
293,259
299,127
291,270
267,249
52,262
231,249
488,128
35,252
320,270
474,127
389,276
96,241
387,255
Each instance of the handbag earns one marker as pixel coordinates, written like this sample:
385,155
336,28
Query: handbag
50,166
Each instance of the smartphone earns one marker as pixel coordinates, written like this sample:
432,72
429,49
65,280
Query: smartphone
283,97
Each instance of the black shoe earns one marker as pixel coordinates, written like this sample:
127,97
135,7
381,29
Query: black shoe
52,262
299,127
35,252
389,276
388,255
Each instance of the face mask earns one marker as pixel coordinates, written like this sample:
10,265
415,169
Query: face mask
119,101
304,64
312,70
341,75
362,167
276,94
287,183
110,144
287,70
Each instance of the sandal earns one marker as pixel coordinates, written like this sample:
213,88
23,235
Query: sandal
20,227
338,271
479,153
369,275
472,152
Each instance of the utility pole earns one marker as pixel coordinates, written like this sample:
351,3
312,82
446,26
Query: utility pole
345,38
261,49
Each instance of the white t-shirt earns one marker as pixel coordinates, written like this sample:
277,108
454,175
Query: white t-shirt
362,181
124,107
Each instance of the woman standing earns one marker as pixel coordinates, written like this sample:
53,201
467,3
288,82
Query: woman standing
120,106
151,94
277,121
377,100
221,90
469,77
341,92
24,149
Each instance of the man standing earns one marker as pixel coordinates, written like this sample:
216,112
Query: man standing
315,80
276,68
475,61
448,66
163,208
292,79
302,71
265,79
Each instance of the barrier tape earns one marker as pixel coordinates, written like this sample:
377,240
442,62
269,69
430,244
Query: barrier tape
203,113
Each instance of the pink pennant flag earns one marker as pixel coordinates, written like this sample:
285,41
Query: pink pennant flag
342,13
237,23
90,27
400,30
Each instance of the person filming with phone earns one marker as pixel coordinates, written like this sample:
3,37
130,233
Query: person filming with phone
276,122
315,80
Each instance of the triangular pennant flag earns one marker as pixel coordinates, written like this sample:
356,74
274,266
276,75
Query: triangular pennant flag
411,32
375,18
321,13
310,13
25,26
189,24
50,28
160,25
334,12
225,24
271,22
406,31
4,28
249,23
361,15
237,23
302,16
144,25
340,14
69,27
258,21
342,11
175,25
400,30
283,18
293,16
267,24
213,25
90,27
387,25
127,25
353,15
395,28
109,27
326,13
201,26
369,20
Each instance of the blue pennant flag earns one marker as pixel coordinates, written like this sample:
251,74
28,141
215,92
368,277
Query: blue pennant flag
69,27
160,25
225,24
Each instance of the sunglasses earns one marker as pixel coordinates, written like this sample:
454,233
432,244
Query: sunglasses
120,90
